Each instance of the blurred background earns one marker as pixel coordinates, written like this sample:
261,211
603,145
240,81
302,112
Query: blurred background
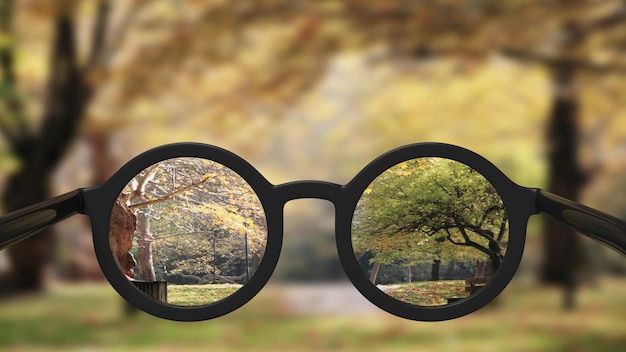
314,90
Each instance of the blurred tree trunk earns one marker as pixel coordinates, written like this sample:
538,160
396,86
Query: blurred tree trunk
39,154
563,254
102,162
40,150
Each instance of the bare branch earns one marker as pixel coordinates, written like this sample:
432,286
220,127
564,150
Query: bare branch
171,194
180,234
98,41
118,36
502,227
143,182
487,212
581,65
67,96
615,18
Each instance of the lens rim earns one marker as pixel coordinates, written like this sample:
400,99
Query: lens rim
518,202
98,205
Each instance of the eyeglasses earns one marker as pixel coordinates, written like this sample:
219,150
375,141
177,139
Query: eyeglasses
427,231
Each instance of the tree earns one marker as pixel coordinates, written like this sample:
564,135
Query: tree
197,222
431,210
39,149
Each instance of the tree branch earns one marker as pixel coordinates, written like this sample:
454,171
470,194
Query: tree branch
581,65
179,234
443,188
98,41
118,36
486,213
502,227
401,190
67,97
614,18
140,187
171,194
468,241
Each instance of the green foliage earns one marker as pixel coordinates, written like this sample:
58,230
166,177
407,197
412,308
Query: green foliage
430,209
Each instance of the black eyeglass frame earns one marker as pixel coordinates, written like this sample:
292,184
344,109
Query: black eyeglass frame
520,203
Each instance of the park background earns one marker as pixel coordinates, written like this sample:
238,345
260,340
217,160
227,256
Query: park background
314,90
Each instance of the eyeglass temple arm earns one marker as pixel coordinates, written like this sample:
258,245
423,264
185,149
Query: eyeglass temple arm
21,224
590,222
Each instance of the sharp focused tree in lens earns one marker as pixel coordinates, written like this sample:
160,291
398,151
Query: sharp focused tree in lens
197,222
436,211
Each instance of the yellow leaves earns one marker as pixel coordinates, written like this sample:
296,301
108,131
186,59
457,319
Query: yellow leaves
8,162
6,40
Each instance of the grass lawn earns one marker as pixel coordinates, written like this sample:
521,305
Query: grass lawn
194,295
90,317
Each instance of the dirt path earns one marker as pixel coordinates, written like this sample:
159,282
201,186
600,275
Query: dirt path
325,298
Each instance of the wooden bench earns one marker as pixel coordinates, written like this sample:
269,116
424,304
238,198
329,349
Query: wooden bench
154,289
473,284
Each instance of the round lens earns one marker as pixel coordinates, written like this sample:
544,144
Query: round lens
188,231
430,231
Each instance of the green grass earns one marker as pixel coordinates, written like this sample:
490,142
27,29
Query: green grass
194,295
525,318
429,293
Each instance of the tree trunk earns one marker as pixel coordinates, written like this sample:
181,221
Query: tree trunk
434,274
121,232
449,270
40,153
374,272
563,253
144,241
28,258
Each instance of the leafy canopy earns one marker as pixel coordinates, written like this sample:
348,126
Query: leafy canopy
431,209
